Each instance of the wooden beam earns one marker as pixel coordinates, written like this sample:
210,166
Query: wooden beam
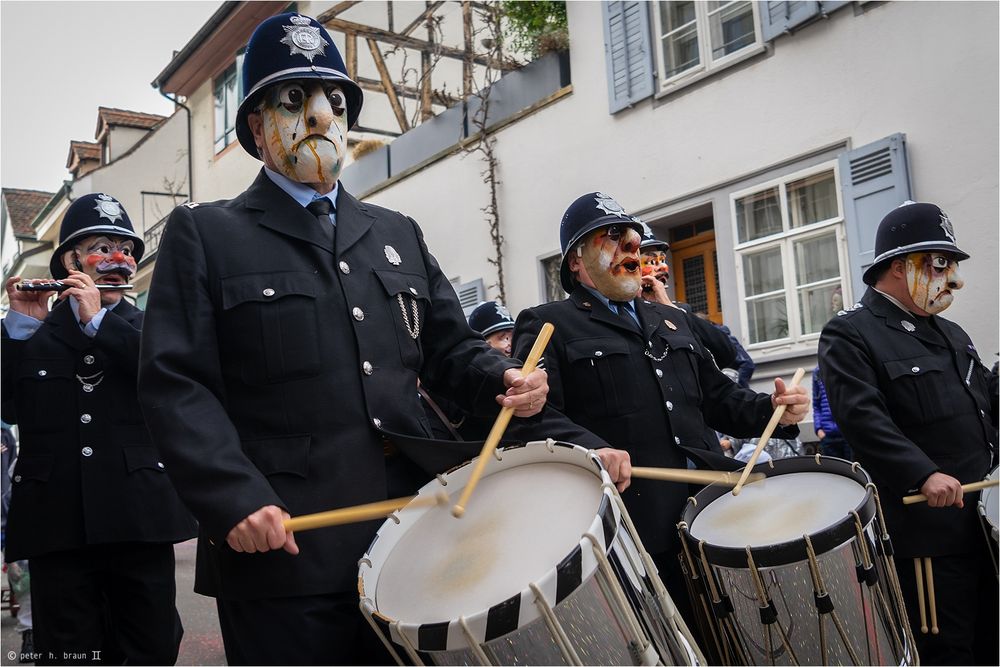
395,39
431,8
467,62
337,9
351,54
426,66
390,89
409,92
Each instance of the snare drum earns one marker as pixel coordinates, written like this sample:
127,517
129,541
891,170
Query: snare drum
797,569
544,568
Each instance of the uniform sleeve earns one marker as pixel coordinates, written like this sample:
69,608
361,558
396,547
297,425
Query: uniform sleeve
181,388
457,362
847,368
733,410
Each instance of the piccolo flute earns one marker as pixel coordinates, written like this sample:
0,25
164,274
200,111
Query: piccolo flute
60,286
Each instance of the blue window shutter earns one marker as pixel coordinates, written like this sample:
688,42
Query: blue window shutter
628,53
830,6
874,179
780,16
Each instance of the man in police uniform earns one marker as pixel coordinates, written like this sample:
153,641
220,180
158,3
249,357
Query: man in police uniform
285,333
92,507
634,373
910,394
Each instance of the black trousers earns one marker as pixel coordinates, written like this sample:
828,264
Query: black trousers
965,588
304,630
106,604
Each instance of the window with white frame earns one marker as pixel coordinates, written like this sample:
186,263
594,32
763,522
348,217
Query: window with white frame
699,36
790,250
226,97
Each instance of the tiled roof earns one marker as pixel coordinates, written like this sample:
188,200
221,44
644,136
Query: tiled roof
127,118
23,206
85,150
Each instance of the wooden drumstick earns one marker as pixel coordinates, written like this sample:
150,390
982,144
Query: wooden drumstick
693,476
356,513
768,430
931,603
918,574
966,488
500,425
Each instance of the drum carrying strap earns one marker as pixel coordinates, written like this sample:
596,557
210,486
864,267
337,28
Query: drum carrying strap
440,413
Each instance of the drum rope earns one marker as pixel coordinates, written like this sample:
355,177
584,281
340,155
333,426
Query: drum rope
615,593
562,641
367,610
661,591
724,616
990,542
767,603
870,579
822,594
698,590
473,643
892,577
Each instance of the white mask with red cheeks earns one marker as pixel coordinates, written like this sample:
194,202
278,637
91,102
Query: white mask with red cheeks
611,256
931,277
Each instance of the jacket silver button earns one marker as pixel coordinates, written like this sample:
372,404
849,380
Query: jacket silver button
358,314
17,478
677,440
43,373
598,354
413,291
659,373
268,291
670,406
345,268
89,359
159,464
367,368
87,451
915,369
85,418
377,422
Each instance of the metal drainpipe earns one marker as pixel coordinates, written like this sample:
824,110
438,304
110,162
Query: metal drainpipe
190,158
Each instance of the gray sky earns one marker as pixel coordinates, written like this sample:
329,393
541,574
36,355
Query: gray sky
59,61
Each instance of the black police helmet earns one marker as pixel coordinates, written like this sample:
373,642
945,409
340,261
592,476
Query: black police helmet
589,212
912,227
92,215
650,242
490,317
288,47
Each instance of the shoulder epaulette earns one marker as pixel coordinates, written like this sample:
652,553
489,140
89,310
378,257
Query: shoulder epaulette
851,309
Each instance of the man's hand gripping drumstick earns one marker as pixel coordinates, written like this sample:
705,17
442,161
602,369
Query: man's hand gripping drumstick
510,407
794,401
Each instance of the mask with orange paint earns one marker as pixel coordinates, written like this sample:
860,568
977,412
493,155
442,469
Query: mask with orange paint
611,257
654,263
931,277
305,130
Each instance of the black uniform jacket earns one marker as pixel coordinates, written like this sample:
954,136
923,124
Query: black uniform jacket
270,363
910,403
650,394
87,472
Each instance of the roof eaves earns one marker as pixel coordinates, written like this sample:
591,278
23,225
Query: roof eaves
181,57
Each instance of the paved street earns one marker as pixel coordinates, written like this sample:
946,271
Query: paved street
202,643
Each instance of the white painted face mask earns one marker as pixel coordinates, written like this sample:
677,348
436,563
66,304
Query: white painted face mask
611,257
931,278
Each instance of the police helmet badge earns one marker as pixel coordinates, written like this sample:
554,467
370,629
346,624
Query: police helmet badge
608,204
108,208
949,231
303,38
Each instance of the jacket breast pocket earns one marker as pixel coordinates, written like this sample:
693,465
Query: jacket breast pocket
601,377
408,297
917,391
270,326
44,387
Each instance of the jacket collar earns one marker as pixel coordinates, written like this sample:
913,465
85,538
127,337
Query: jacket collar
66,328
906,322
584,300
282,214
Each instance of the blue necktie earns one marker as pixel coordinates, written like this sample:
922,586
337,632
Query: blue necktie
624,315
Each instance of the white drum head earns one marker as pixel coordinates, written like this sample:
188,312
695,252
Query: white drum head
519,524
989,502
778,509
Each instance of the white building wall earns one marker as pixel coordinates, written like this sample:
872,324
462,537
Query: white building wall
122,138
927,69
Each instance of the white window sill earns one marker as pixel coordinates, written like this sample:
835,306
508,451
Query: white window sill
684,82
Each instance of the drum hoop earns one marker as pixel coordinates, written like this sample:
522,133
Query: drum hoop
794,551
504,616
